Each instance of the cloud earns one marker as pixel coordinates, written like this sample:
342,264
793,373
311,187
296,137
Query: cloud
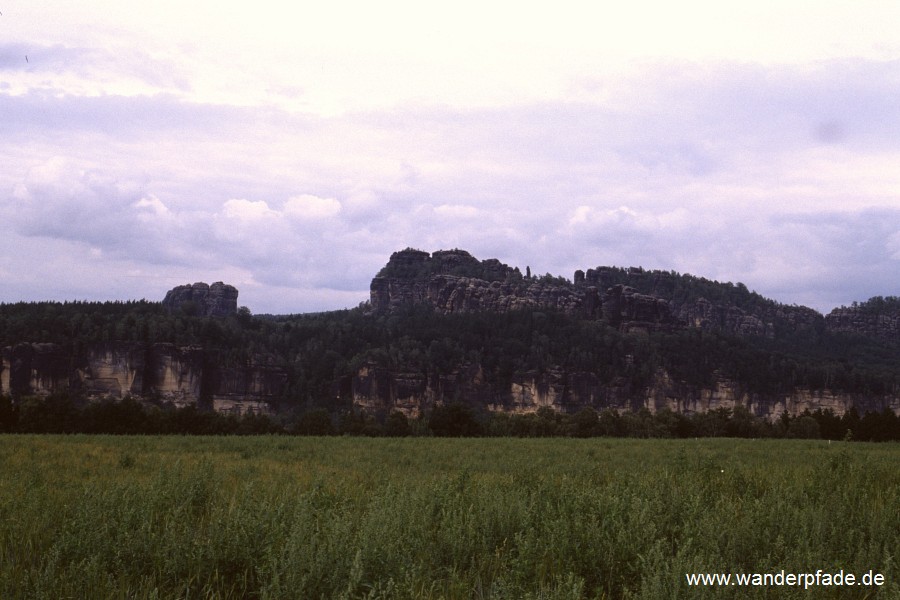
310,207
118,116
245,211
456,211
151,208
722,170
58,199
90,70
626,220
893,245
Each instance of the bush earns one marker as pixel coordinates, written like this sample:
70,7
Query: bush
453,420
396,425
804,427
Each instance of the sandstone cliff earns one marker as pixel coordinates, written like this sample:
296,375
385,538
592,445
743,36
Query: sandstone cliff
878,318
159,372
455,281
381,390
628,300
381,363
200,299
452,293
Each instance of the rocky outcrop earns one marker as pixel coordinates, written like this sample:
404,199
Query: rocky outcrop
625,308
200,299
454,281
629,299
379,390
416,264
182,375
33,366
766,321
455,294
863,320
729,308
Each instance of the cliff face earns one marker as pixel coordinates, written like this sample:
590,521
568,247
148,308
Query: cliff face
627,309
163,372
880,324
33,366
631,301
452,293
455,281
200,299
380,390
627,299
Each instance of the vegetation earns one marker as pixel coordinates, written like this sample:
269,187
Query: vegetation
879,304
60,413
685,288
275,517
322,352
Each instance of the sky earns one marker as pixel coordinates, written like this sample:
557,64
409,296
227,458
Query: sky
289,151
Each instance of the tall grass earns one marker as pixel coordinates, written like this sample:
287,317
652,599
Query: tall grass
275,517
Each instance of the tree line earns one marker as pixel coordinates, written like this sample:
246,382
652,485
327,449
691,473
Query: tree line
63,414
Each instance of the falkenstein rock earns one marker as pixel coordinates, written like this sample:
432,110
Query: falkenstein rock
201,299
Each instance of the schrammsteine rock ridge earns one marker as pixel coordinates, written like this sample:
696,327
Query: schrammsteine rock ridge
455,281
629,299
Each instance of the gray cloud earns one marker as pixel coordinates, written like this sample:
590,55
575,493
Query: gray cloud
98,64
841,257
59,200
12,56
122,117
735,172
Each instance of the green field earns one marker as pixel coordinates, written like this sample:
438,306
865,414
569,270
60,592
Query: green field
282,517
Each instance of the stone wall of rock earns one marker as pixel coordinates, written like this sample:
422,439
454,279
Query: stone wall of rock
881,325
159,372
413,277
201,299
454,294
27,367
625,308
379,390
766,318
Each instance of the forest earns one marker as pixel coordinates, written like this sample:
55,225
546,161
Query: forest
318,351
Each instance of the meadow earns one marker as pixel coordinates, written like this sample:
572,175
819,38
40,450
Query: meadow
339,517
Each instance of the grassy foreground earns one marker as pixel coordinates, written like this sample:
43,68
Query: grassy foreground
279,517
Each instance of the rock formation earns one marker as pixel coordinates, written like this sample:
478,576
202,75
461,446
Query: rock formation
160,372
200,299
455,281
627,299
380,390
632,301
874,319
625,307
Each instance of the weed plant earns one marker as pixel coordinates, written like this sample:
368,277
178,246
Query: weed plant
276,517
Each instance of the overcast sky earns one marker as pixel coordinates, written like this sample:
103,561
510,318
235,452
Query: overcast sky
289,151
